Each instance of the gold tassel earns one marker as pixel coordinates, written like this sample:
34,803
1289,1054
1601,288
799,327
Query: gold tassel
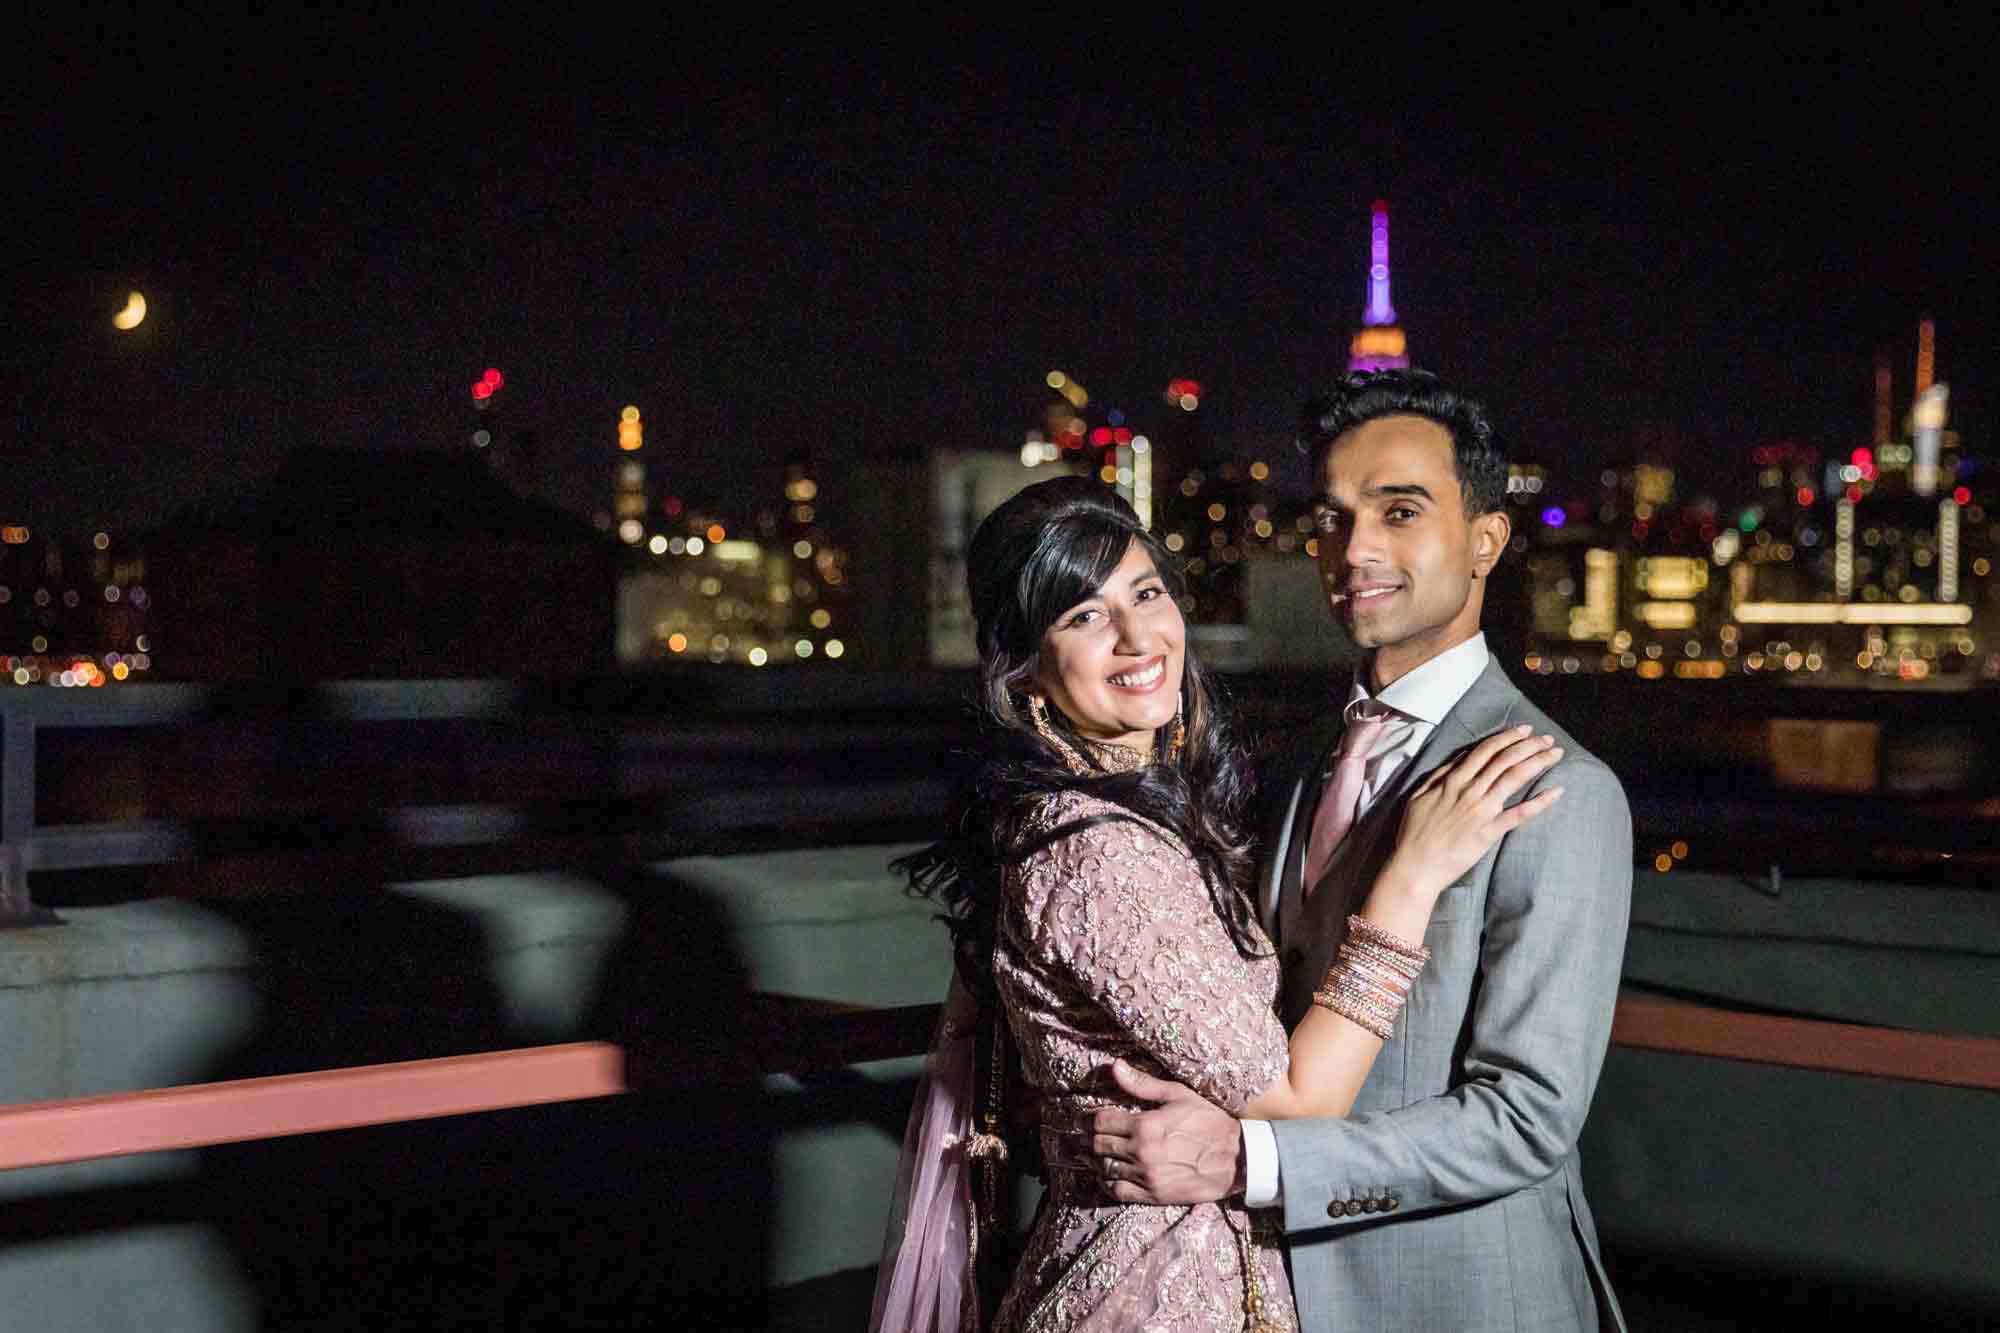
986,1147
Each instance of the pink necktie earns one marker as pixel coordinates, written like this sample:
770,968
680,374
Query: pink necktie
1341,797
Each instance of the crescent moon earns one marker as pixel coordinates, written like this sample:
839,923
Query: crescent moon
132,314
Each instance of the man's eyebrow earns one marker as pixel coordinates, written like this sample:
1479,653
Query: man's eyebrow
1332,501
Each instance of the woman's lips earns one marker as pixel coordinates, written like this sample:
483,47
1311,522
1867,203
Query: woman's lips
1141,680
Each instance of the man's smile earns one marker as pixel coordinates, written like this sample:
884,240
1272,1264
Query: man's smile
1358,595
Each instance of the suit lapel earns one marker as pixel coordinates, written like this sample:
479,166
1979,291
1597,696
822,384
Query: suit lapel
1482,710
1485,707
1290,829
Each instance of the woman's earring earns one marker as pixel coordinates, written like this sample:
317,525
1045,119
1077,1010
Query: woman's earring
1177,738
1038,709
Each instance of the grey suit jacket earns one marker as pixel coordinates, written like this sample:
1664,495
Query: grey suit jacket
1451,1198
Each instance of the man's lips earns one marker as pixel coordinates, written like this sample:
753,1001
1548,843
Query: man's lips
1360,597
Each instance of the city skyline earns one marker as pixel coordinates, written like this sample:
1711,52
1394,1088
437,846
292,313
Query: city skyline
769,250
1789,539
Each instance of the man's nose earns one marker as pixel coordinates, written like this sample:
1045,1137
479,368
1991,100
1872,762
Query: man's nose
1363,545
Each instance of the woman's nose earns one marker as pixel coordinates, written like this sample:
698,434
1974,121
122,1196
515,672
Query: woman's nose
1136,635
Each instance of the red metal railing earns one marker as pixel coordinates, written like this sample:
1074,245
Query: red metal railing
1651,1023
801,1036
121,1123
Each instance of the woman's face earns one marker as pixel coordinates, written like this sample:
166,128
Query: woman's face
1112,663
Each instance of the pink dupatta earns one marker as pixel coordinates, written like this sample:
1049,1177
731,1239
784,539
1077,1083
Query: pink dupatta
926,1282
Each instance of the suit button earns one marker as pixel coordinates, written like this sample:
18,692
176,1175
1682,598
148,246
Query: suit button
1370,1205
1336,1209
1390,1203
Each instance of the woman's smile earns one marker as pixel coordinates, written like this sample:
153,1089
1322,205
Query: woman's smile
1144,680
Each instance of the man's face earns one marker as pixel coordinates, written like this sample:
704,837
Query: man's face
1402,565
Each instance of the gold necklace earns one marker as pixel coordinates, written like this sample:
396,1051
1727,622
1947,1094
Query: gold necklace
1112,757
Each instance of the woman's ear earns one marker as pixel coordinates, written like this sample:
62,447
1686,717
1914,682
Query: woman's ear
1030,681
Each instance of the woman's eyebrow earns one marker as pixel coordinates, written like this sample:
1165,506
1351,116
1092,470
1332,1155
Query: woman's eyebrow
1149,572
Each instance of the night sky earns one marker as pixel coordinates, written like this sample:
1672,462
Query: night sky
1691,241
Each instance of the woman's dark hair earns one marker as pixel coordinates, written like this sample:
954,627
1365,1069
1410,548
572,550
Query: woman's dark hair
1036,556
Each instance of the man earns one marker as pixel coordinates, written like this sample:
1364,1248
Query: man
1450,1197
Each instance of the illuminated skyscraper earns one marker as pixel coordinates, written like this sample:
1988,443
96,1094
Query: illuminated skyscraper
1927,418
628,497
1380,344
1901,604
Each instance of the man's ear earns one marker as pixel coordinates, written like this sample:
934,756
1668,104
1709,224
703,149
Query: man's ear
1490,532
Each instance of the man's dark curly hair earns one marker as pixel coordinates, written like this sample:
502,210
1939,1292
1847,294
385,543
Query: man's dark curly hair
1479,454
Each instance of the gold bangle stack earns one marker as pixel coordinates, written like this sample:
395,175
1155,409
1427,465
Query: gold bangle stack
1370,980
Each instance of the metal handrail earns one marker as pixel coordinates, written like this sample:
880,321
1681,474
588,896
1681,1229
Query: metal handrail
1684,1027
803,1036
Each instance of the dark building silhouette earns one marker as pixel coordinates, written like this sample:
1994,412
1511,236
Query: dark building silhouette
358,563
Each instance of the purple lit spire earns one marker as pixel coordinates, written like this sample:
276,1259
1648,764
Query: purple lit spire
1380,344
1380,312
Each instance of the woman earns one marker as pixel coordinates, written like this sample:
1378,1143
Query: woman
1095,885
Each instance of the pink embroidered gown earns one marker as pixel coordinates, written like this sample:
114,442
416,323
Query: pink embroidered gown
1109,948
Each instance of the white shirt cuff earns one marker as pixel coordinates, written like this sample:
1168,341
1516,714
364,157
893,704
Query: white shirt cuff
1261,1187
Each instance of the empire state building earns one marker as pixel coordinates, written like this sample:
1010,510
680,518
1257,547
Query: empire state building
1379,345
